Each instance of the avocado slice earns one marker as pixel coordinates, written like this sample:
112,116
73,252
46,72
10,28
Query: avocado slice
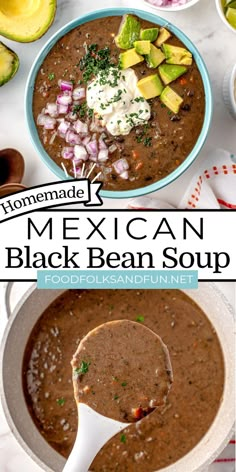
129,32
150,86
171,99
169,72
164,34
177,55
129,58
26,21
155,57
142,47
9,64
149,34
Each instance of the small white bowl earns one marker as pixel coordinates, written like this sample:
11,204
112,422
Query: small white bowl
188,4
229,84
221,13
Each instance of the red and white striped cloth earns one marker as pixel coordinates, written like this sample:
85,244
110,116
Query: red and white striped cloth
213,186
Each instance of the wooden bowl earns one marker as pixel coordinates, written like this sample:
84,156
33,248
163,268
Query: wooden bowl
11,166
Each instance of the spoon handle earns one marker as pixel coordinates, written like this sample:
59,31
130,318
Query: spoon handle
93,432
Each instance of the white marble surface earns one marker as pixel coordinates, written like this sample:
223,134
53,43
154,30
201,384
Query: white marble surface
217,46
201,23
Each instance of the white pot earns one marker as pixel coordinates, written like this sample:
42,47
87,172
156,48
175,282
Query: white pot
19,327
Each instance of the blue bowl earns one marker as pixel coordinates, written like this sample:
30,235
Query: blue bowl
153,19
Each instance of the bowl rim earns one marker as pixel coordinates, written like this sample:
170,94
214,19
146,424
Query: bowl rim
220,11
232,81
185,6
119,11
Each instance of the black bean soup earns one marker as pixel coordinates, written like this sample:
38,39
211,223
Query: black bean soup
158,439
76,138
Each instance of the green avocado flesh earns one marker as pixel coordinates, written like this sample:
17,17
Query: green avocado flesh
177,55
129,58
150,86
9,64
149,34
155,57
26,20
128,33
169,72
171,99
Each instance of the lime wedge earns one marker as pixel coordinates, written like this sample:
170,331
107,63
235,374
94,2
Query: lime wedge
231,16
230,3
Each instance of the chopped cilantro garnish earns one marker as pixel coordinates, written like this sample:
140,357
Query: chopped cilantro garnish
116,397
51,76
123,438
83,369
147,142
61,401
95,61
124,384
82,110
140,319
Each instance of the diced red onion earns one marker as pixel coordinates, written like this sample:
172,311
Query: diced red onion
80,127
64,99
80,153
93,158
63,109
96,126
112,148
49,123
53,137
63,127
65,86
92,148
51,109
72,138
121,165
41,118
103,155
125,175
78,93
101,144
71,116
167,3
86,140
67,152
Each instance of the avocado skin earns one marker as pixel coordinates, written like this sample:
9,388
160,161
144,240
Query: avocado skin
169,72
14,66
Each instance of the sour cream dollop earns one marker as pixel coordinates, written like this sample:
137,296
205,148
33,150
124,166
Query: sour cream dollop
116,101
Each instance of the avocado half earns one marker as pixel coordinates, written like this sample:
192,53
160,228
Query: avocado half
9,64
26,20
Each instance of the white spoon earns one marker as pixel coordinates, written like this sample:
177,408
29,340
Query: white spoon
93,432
115,345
